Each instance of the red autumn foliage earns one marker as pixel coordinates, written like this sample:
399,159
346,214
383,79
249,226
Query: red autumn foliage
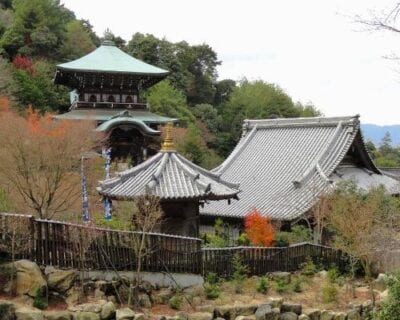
259,229
21,62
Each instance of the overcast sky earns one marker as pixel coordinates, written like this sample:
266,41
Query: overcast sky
311,48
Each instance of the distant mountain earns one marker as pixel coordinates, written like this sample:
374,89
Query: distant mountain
375,133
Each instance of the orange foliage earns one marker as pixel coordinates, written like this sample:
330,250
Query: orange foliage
4,104
259,229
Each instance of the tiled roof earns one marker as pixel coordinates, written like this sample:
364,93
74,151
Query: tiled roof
169,176
107,114
282,165
108,58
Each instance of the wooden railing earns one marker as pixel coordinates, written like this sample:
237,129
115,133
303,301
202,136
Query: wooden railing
112,105
261,260
66,245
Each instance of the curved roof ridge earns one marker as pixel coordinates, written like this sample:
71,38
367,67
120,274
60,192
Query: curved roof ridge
115,121
304,121
108,58
240,146
159,171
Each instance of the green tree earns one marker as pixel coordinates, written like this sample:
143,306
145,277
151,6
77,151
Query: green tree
77,41
165,100
223,90
37,89
118,41
208,115
38,28
192,146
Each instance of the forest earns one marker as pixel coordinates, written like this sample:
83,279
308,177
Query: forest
35,35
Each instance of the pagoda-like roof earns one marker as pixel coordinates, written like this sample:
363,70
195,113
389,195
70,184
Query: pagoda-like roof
284,165
169,176
110,59
103,115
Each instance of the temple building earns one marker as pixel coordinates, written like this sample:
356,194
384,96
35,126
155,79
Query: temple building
180,185
283,166
107,87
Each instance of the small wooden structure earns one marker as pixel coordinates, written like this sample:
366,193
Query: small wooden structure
178,183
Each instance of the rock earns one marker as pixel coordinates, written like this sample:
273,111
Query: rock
140,316
162,296
252,317
124,314
73,296
275,302
61,280
90,307
107,311
323,274
206,308
28,314
380,283
291,307
144,300
7,310
197,301
87,316
288,316
303,317
58,315
246,310
200,316
113,299
384,295
146,287
182,315
353,315
367,309
98,294
356,306
266,312
339,316
327,315
226,312
286,276
313,314
29,278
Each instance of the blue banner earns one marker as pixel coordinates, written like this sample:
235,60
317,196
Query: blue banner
85,199
106,153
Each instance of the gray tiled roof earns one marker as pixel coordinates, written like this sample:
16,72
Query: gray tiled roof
169,176
282,165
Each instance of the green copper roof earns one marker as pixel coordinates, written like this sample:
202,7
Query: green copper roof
107,114
115,122
108,58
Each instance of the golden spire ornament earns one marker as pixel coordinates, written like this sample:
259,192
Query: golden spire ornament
168,144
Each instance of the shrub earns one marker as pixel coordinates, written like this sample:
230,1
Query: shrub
298,234
333,274
297,285
40,300
329,292
282,285
259,229
239,272
176,301
211,286
391,307
308,268
263,285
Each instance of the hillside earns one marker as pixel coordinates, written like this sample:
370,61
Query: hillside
375,133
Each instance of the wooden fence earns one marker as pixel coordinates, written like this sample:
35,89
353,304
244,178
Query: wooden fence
261,260
65,245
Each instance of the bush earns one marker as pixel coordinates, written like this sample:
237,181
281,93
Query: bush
239,272
263,285
329,292
40,300
333,274
176,301
282,285
308,268
298,234
211,286
391,307
297,285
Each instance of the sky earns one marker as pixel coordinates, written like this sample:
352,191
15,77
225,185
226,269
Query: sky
310,48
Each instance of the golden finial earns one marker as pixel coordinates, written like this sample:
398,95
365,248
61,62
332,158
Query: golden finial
168,144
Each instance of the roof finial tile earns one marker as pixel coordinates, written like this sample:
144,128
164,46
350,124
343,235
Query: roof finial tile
168,144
